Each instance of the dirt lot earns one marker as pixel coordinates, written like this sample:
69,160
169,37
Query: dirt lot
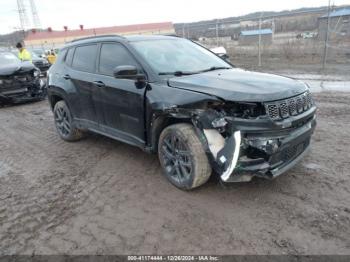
99,196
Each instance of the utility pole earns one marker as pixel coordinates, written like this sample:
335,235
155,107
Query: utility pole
183,30
326,38
217,32
259,42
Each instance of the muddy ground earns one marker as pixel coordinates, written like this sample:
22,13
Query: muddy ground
100,196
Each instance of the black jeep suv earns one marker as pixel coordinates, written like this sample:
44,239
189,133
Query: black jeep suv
40,63
170,96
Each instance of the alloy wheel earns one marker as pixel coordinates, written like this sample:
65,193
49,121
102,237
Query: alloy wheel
62,121
177,158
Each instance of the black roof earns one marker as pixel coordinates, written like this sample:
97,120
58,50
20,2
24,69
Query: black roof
132,38
129,38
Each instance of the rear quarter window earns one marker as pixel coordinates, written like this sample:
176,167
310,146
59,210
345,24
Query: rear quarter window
84,58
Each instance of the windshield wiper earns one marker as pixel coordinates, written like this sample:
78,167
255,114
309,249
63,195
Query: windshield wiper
183,73
213,68
177,73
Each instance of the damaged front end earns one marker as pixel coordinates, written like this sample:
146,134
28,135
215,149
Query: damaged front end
22,86
243,140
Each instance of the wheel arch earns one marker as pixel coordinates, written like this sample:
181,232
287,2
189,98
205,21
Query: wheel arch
162,122
54,99
56,94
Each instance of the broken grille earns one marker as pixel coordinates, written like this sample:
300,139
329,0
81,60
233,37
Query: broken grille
17,79
290,153
294,151
289,107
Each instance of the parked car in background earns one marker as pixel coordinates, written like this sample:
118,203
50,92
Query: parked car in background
19,81
221,52
39,52
170,96
307,35
40,63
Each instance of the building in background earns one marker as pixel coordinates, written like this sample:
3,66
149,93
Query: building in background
54,39
339,24
251,37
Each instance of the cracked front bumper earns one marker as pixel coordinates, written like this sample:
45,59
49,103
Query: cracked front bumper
290,151
264,148
19,93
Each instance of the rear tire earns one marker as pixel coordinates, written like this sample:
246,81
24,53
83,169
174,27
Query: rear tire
64,123
182,157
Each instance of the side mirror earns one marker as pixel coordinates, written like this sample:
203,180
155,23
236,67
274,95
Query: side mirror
128,72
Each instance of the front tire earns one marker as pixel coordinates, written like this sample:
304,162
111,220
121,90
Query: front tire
64,123
182,157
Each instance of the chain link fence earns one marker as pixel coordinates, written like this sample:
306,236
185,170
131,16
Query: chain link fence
301,41
304,40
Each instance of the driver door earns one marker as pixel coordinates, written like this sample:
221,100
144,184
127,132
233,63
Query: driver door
120,101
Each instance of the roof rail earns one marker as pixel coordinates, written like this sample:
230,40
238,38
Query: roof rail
172,34
96,36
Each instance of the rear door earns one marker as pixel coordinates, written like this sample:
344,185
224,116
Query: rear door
121,102
82,74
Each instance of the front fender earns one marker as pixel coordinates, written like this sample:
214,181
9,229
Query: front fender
166,105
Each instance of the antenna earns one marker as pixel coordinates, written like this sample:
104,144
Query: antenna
23,17
35,16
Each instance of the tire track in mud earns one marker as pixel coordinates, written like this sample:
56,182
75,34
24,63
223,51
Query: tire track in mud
102,196
31,162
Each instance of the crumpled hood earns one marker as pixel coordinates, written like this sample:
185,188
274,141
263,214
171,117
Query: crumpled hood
240,85
11,69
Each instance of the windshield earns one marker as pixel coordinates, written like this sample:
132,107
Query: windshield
8,58
37,52
34,55
177,55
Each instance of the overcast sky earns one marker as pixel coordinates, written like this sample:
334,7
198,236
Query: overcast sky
96,13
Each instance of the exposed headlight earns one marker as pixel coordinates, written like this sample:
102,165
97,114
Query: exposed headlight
245,110
1,82
36,73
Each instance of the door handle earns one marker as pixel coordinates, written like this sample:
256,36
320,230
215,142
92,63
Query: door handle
99,83
66,77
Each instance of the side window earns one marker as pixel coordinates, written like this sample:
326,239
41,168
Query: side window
113,55
69,56
84,58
